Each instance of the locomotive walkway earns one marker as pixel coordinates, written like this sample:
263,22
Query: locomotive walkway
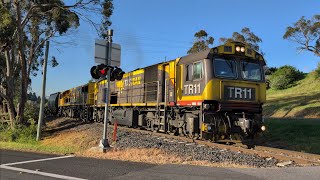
23,165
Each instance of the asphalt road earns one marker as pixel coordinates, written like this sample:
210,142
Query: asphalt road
25,165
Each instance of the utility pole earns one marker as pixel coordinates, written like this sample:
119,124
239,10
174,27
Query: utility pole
44,78
104,144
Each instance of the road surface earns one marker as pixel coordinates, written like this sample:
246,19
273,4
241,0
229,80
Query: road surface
30,166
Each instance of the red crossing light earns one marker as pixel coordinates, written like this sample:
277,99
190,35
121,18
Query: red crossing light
99,71
103,71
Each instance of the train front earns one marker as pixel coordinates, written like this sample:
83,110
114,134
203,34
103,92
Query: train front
234,94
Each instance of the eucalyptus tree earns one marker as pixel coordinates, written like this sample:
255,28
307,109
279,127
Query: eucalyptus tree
24,27
201,42
306,33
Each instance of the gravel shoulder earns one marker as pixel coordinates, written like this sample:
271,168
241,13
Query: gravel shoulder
144,146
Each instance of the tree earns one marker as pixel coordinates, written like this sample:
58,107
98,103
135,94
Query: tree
270,70
201,42
306,33
246,37
32,96
24,27
285,77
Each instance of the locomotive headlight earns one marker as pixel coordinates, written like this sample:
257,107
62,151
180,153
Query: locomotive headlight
263,128
209,128
238,48
242,49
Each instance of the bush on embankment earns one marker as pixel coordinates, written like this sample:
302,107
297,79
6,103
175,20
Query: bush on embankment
285,77
20,133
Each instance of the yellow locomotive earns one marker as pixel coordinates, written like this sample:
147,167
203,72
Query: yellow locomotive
215,94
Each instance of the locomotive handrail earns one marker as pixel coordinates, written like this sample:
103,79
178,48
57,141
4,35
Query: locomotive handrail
158,90
165,92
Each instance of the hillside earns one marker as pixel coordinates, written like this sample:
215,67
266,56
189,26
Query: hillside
302,100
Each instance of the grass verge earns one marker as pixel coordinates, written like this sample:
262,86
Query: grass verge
300,101
23,138
37,147
293,134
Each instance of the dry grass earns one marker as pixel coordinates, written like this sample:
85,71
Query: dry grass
152,156
79,140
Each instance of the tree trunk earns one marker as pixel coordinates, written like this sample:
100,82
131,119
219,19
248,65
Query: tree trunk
23,99
24,78
9,95
12,113
2,110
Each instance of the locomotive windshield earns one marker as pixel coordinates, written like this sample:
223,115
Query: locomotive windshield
251,71
225,68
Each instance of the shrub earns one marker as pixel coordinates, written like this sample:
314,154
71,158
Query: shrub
21,133
267,81
318,70
28,133
285,77
269,70
32,110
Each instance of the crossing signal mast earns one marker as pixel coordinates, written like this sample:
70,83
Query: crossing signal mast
107,54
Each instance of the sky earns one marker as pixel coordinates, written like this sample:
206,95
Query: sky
150,32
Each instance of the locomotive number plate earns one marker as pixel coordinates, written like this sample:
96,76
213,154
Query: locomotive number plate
239,93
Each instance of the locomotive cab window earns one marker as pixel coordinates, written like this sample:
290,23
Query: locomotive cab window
225,68
194,71
197,70
251,71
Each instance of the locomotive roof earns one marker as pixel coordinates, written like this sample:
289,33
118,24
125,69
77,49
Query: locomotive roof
220,50
195,56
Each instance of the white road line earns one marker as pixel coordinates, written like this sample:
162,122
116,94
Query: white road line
38,160
40,173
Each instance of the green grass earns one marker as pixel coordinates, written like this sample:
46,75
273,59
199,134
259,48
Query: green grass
37,147
302,100
23,138
294,134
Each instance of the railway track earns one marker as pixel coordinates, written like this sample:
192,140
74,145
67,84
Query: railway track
299,158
